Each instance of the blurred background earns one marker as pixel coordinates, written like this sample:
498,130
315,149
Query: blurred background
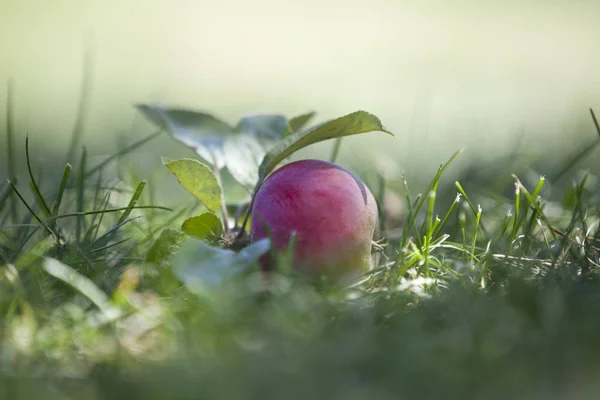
488,77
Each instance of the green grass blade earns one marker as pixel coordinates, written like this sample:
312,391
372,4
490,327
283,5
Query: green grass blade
595,121
97,191
10,147
407,226
133,201
433,185
441,225
474,241
106,247
586,150
35,187
335,150
3,196
472,207
59,194
83,285
165,225
533,203
538,187
516,221
42,223
107,235
122,152
81,194
581,154
531,224
110,210
82,108
100,217
94,226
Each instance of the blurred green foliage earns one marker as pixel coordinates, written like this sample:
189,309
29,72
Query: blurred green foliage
491,294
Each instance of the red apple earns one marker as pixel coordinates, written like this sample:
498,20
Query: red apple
331,210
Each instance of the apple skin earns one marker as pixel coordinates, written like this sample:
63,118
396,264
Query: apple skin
333,213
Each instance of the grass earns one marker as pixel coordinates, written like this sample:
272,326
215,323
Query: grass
490,290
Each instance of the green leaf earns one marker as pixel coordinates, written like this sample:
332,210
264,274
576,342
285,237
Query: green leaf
243,155
241,149
298,122
263,126
198,179
206,227
167,244
200,266
203,133
250,254
245,150
351,124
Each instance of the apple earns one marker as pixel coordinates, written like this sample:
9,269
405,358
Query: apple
332,212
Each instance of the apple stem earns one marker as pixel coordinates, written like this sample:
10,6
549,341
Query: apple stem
249,210
245,221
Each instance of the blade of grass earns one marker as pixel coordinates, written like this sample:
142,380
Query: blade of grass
61,189
581,154
100,218
82,108
538,187
516,221
529,229
335,150
81,194
97,190
83,285
441,225
501,232
106,235
108,246
429,230
10,148
151,194
533,203
406,228
429,215
35,188
110,210
23,242
26,237
133,201
42,223
412,215
160,227
472,207
92,230
122,152
433,185
595,121
3,196
474,241
566,235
